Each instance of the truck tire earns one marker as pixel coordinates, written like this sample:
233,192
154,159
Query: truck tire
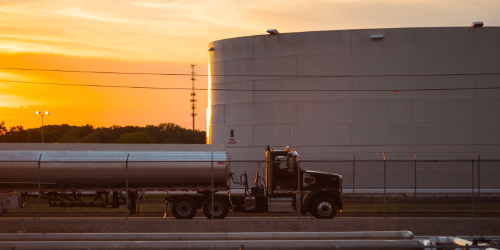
221,207
324,208
184,207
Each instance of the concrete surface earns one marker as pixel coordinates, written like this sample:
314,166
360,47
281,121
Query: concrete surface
419,226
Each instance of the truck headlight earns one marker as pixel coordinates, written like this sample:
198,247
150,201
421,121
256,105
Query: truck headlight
340,183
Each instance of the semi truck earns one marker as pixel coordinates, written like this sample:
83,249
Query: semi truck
192,178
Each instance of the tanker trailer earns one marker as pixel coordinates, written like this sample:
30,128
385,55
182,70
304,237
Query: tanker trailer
67,173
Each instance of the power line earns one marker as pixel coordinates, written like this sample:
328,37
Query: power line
230,75
98,72
246,90
96,85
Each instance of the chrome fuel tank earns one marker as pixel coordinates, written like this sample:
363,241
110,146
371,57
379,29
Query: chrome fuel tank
101,169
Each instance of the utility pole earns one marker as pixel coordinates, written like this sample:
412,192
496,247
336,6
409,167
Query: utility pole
40,113
193,94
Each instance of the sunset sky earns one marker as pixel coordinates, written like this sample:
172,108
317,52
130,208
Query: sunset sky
165,36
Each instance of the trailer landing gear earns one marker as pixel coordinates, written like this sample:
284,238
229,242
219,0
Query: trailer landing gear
132,196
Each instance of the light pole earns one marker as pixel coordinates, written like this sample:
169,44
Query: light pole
42,114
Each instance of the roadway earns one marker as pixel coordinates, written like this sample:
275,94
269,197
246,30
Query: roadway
418,225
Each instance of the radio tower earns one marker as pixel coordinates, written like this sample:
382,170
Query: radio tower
193,94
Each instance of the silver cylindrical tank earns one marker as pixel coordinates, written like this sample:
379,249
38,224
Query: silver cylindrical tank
95,170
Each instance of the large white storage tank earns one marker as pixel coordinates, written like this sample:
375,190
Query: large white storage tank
353,120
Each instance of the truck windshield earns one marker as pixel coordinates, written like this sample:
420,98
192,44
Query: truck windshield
282,161
285,162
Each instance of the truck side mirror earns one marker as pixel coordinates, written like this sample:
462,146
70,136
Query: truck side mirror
291,163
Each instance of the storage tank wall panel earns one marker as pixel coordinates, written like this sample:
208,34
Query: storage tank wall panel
321,83
356,116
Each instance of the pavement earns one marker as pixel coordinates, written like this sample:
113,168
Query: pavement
435,226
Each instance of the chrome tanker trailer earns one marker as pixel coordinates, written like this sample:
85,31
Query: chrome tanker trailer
193,176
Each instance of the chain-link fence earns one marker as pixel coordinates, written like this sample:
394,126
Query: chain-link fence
220,188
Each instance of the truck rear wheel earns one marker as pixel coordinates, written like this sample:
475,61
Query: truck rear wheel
324,208
220,207
184,207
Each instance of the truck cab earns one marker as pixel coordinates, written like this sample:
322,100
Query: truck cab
289,188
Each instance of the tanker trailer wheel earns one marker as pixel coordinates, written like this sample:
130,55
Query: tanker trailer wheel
324,208
220,207
184,207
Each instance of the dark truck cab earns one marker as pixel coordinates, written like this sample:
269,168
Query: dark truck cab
287,187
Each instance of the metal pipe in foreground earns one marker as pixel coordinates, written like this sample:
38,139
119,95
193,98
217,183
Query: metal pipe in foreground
429,244
467,243
452,241
389,235
257,244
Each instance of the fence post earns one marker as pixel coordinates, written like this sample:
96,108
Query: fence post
212,212
228,159
472,169
415,177
269,165
299,194
353,174
126,188
39,186
479,177
385,189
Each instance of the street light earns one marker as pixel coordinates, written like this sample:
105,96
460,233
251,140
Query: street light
42,114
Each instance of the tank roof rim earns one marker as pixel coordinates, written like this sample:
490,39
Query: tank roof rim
367,29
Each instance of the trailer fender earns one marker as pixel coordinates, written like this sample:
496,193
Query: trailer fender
326,191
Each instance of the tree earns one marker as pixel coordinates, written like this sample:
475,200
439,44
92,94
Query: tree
72,136
162,133
98,136
16,134
136,137
3,130
172,141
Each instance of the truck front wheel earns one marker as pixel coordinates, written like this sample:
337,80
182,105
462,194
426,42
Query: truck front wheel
184,207
324,208
220,208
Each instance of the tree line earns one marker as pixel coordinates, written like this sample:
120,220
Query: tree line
169,133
